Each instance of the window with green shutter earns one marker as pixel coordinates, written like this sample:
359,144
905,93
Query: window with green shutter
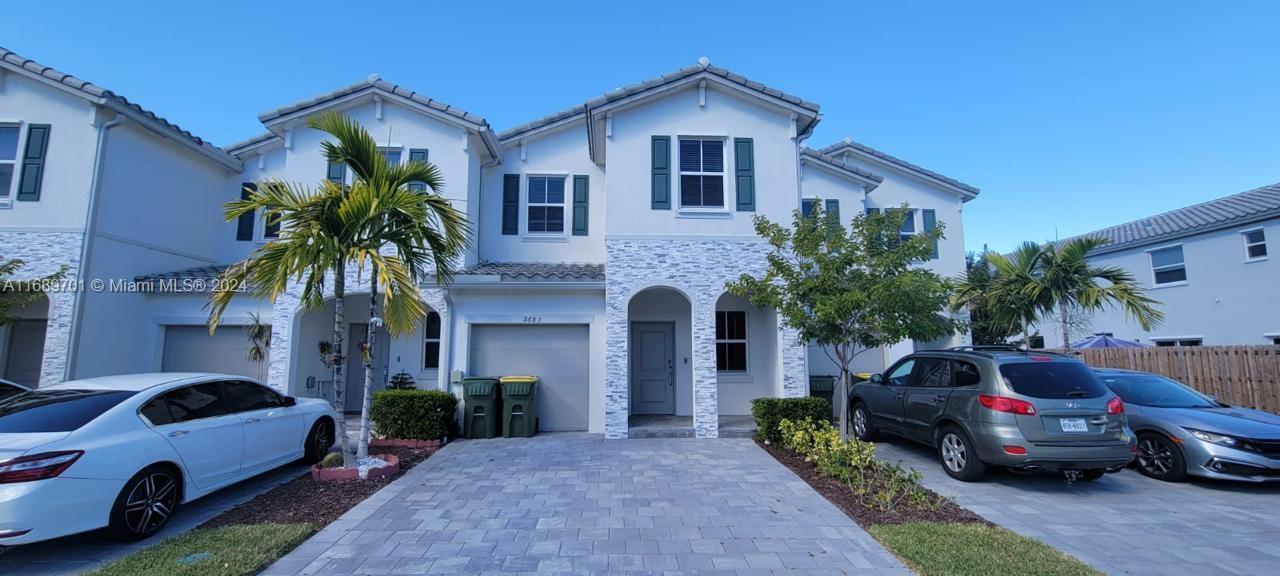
244,224
744,169
581,193
661,187
418,155
930,222
337,173
33,157
510,204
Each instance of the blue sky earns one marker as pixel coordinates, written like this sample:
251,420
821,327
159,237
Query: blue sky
1070,116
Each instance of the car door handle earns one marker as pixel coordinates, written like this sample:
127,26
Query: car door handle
940,397
898,395
177,433
252,420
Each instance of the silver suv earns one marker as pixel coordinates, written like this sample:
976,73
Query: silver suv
994,406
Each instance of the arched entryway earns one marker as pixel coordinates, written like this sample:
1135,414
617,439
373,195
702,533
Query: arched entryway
660,377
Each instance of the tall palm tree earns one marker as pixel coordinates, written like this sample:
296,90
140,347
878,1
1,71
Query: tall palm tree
401,234
1068,280
1009,298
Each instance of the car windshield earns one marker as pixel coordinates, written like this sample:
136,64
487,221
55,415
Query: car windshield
1052,380
55,410
1156,391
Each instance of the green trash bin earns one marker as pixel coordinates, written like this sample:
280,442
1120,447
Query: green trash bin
823,387
482,408
519,406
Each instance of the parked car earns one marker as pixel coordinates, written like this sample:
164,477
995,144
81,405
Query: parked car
123,452
9,388
1183,432
982,407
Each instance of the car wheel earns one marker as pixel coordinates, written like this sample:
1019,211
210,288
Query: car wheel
1160,459
146,503
958,455
319,441
862,428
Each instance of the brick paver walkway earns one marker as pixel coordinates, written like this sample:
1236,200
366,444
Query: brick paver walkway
577,504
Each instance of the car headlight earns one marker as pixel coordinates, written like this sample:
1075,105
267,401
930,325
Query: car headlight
1212,438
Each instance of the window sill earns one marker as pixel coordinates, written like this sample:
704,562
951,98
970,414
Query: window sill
733,377
704,213
1258,259
1169,285
535,237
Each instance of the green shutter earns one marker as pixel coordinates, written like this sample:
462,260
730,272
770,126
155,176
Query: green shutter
833,215
873,211
337,172
418,155
244,224
931,222
510,204
661,196
581,191
745,168
33,162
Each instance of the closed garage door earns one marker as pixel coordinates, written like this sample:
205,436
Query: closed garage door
560,355
192,349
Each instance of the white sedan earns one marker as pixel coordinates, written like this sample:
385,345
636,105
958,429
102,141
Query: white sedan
122,452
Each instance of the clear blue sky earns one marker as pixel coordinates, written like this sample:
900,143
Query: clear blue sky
1070,115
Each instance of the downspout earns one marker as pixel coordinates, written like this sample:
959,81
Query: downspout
86,246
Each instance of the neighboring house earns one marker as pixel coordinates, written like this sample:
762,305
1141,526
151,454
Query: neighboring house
1211,267
604,236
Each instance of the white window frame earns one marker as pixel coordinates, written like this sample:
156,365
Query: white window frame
525,204
1152,265
746,343
1244,236
399,150
725,168
916,224
6,201
427,339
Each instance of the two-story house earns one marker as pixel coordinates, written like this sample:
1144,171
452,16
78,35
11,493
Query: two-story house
1209,266
604,236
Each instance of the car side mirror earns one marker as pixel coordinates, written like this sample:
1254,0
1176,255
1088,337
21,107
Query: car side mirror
876,379
290,401
967,378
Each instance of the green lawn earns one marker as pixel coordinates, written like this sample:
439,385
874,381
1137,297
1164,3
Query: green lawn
237,550
943,549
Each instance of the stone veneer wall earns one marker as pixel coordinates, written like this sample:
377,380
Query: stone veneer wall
700,269
43,253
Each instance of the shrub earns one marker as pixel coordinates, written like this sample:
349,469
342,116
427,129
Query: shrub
414,414
768,412
332,460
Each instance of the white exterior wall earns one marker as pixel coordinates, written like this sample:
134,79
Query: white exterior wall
560,152
1226,299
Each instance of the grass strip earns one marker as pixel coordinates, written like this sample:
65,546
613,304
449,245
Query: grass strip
235,550
952,549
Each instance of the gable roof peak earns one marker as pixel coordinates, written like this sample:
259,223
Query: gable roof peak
704,61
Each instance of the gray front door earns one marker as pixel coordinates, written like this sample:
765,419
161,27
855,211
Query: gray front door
355,364
653,369
26,352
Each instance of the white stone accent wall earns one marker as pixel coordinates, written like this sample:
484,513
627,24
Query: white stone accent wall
43,253
699,269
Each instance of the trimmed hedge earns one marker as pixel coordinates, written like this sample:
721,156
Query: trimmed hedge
414,414
769,412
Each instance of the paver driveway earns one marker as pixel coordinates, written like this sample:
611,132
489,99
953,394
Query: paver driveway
577,504
1123,523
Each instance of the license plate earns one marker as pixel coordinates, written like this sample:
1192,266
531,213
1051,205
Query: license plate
1073,425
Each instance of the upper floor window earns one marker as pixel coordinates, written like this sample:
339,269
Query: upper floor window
1167,265
908,226
807,205
8,160
431,342
546,204
701,173
731,341
1255,244
1180,342
391,154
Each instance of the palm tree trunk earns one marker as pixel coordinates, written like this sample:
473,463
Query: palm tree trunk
362,449
1066,332
339,383
1026,334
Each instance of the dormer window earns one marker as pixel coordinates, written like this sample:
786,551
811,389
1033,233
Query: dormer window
546,205
701,173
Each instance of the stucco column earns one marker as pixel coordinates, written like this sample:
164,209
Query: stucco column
794,361
706,407
617,401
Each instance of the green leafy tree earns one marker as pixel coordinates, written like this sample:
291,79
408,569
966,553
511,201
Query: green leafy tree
18,293
403,236
850,290
973,293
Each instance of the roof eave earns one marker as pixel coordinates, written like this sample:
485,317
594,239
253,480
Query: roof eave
966,193
868,184
1182,234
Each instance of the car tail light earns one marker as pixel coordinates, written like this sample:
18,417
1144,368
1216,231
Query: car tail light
1115,406
1015,450
37,466
1009,405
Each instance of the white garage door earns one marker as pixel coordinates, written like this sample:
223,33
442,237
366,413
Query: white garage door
560,355
192,349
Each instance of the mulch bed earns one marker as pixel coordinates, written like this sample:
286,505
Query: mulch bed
838,493
311,501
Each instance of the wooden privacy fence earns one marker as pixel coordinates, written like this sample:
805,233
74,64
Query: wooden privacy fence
1239,375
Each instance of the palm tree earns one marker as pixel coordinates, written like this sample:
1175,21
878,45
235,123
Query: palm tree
401,234
1009,299
972,291
1067,280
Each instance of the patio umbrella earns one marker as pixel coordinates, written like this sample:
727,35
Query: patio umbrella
1106,341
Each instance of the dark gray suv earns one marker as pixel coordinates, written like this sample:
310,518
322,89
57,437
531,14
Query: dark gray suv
994,406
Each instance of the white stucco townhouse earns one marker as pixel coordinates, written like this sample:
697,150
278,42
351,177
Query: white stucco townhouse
604,235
